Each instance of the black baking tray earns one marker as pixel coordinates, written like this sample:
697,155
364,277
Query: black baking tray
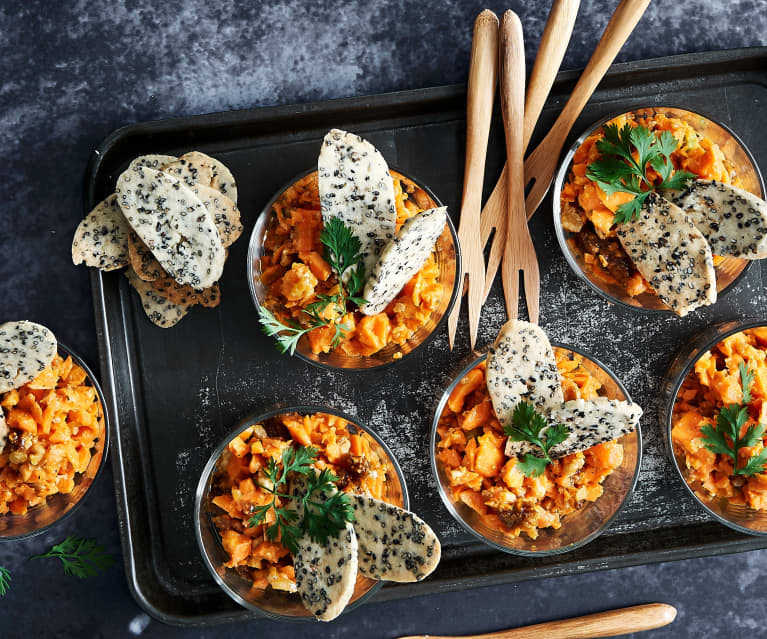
173,394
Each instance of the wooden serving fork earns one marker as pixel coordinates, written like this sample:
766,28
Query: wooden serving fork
542,163
551,50
483,73
519,252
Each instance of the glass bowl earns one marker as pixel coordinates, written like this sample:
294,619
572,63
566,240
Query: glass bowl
578,528
276,604
449,260
728,272
738,517
40,518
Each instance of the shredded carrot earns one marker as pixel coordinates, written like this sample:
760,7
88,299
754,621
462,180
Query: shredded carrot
471,450
713,383
54,423
584,203
236,492
295,272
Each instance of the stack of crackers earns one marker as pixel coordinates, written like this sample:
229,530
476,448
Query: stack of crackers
168,224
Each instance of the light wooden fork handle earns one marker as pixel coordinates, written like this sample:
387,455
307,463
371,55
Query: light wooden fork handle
621,26
548,59
544,160
483,74
512,74
551,51
602,624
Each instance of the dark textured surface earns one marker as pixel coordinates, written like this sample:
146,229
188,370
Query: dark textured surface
71,74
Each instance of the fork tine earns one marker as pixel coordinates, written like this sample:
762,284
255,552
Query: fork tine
541,177
510,276
452,319
532,280
494,257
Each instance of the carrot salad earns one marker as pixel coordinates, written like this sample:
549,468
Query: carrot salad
588,212
471,450
295,272
713,383
353,457
54,423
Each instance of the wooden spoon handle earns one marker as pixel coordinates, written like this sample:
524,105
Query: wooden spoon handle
483,75
618,30
602,624
551,50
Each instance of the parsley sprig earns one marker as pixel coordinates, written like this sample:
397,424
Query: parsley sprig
5,581
725,438
342,252
322,518
81,557
617,169
529,425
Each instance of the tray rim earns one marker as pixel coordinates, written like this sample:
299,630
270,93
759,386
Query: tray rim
435,584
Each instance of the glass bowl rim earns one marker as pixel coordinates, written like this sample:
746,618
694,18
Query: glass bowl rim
475,360
707,345
95,383
561,174
253,245
255,418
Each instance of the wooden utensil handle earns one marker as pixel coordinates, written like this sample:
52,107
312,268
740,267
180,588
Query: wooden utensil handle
551,50
483,74
512,74
620,27
602,624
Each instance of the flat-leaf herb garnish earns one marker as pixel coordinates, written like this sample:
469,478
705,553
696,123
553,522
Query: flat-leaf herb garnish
725,439
5,581
622,167
321,519
528,425
81,557
342,252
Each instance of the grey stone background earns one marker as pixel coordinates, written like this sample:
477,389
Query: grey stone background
71,72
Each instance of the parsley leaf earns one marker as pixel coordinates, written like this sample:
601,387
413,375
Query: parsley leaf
532,466
725,437
342,252
755,465
81,557
622,166
5,581
287,335
328,516
529,425
321,519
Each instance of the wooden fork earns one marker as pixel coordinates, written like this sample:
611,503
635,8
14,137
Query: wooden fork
483,73
519,252
542,163
551,50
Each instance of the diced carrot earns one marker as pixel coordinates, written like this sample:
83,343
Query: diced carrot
298,431
272,273
477,415
237,546
449,457
490,457
471,381
319,267
374,330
